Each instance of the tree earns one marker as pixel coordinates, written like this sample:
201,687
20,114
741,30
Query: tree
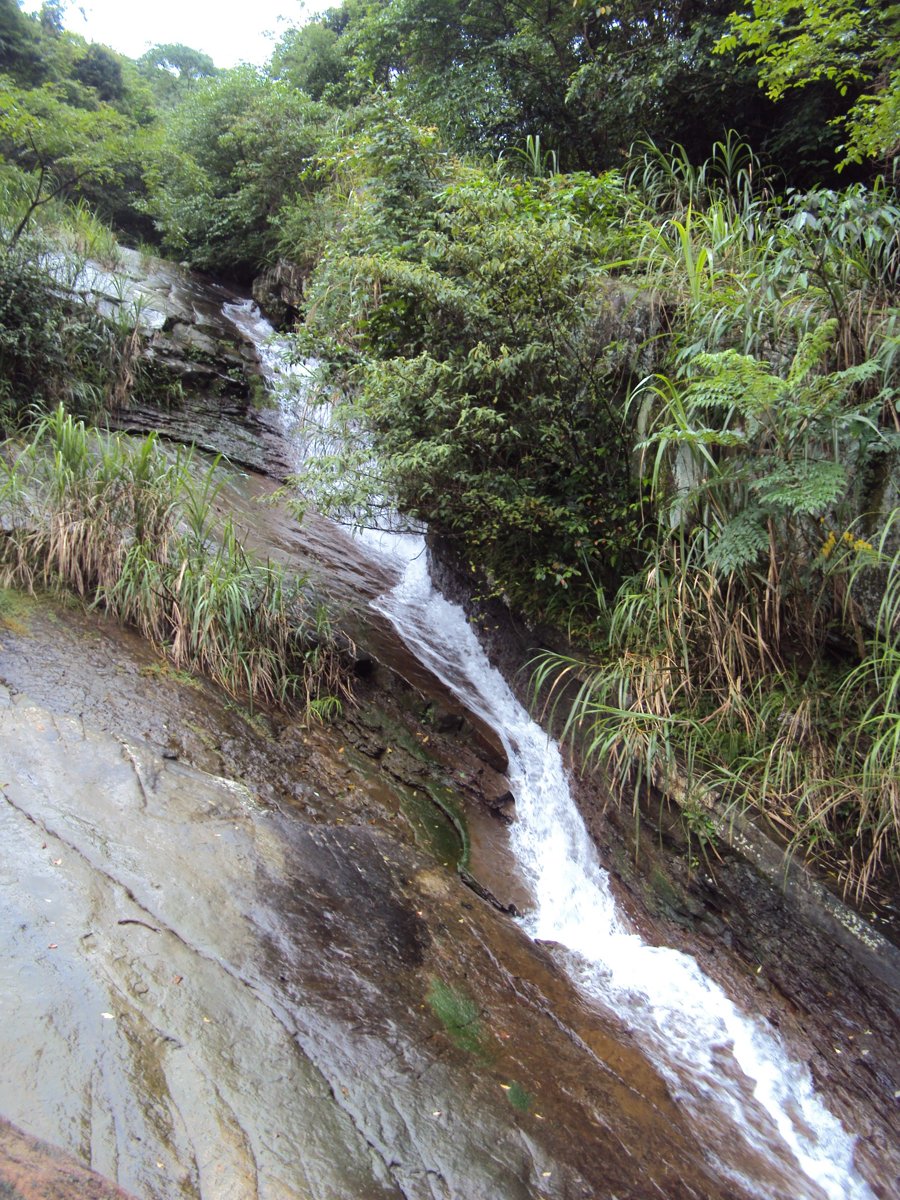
853,46
20,54
314,59
52,16
231,155
56,148
173,70
588,79
99,69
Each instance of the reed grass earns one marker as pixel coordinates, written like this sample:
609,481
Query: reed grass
132,531
704,690
743,660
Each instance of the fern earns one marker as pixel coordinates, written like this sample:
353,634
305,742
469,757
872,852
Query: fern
812,351
803,486
735,381
740,542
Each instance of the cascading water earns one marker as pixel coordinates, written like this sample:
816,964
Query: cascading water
761,1120
284,378
726,1068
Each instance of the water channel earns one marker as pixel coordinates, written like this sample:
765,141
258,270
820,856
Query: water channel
766,1128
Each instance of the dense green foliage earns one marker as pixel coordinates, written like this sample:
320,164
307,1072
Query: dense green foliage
749,652
855,47
74,120
475,357
54,350
587,79
231,155
52,149
649,401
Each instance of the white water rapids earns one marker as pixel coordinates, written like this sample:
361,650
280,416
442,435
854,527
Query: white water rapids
755,1109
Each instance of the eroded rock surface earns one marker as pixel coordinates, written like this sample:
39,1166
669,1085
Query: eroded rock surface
279,291
238,972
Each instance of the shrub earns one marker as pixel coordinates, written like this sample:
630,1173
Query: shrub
477,393
51,350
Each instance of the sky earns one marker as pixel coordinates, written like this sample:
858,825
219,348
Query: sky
229,31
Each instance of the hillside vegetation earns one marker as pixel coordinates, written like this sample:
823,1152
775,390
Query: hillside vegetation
606,295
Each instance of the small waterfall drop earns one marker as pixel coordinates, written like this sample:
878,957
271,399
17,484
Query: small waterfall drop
760,1118
286,379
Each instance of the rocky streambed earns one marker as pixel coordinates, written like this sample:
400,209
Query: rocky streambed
236,964
245,957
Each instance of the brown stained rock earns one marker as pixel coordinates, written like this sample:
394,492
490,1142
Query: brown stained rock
253,965
34,1170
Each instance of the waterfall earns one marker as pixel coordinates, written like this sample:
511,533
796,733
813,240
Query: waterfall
714,1058
757,1111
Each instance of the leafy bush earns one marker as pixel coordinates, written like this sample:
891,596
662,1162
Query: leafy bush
230,156
473,360
51,350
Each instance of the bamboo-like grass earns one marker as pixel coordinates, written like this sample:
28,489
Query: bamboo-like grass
740,666
704,689
131,530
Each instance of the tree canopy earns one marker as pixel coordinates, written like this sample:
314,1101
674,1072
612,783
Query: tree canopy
853,46
229,157
173,70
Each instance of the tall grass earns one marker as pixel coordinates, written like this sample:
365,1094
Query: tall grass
744,267
131,530
754,656
701,693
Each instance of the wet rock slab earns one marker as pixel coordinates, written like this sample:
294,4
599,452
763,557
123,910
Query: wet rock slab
210,993
34,1170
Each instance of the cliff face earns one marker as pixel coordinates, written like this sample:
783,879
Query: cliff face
240,959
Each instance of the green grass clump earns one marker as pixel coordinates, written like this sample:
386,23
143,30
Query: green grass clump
729,695
126,528
13,611
519,1098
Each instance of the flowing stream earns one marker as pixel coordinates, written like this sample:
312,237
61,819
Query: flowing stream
762,1122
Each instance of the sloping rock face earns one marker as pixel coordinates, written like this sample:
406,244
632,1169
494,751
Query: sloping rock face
178,314
198,381
34,1170
234,967
279,292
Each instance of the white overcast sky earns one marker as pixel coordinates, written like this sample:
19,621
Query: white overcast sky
229,31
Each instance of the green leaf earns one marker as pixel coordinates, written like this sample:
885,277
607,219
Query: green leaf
740,542
805,486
